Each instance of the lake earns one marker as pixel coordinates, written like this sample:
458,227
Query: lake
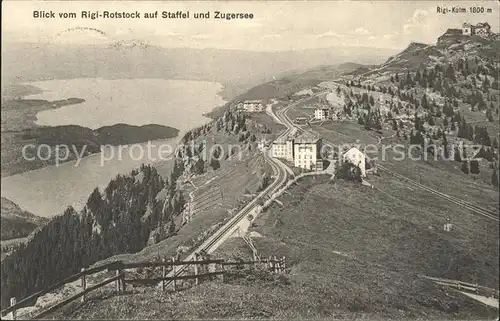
176,103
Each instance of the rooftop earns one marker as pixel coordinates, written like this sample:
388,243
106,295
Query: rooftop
252,101
282,140
479,25
307,139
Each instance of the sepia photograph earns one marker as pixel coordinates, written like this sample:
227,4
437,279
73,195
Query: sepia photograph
241,160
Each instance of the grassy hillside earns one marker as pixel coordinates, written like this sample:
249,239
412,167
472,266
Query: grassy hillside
352,252
362,248
259,295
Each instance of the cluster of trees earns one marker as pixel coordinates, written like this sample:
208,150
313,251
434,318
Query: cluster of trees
362,101
481,136
371,120
440,79
477,134
117,220
214,160
195,133
476,100
495,175
471,167
348,171
235,122
447,79
232,122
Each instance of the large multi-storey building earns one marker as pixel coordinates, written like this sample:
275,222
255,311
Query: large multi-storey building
321,113
306,151
303,151
283,148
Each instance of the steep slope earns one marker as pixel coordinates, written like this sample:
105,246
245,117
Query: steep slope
444,94
291,82
449,48
15,222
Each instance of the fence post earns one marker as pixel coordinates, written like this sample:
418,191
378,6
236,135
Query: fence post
163,275
84,284
196,280
275,264
13,301
284,264
117,282
212,267
122,280
222,268
174,268
270,263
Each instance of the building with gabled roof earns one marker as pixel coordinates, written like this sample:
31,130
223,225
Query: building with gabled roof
482,29
356,158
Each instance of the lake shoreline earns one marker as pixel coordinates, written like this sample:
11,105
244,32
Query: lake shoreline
73,136
71,185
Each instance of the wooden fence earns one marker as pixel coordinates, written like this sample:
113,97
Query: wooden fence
203,269
464,286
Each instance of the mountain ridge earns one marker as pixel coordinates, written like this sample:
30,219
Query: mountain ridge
236,70
449,47
16,222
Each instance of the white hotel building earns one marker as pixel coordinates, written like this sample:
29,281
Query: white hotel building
306,153
302,151
321,113
283,148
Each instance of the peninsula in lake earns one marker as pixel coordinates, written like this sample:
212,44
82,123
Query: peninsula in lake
19,130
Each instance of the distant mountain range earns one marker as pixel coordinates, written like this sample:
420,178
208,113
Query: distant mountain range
237,70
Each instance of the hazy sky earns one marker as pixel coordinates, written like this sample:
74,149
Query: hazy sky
275,26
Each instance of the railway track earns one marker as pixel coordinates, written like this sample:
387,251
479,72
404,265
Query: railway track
279,172
229,227
455,200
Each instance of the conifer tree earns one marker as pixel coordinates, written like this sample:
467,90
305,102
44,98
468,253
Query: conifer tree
465,167
474,167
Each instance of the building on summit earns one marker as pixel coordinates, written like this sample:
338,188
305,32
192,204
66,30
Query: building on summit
482,29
